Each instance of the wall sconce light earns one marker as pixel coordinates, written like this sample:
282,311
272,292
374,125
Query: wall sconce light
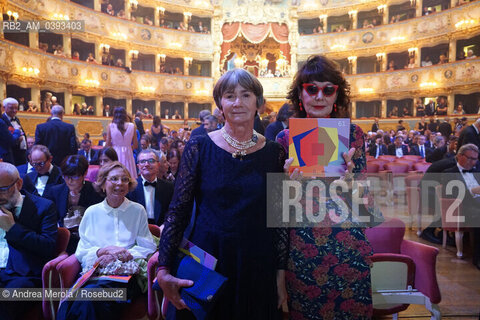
282,64
162,57
119,35
239,61
464,23
92,82
412,52
352,13
413,3
263,64
187,16
105,48
31,71
428,84
352,59
133,5
134,54
188,60
59,16
148,89
381,8
175,45
365,90
12,14
161,10
380,56
397,39
337,47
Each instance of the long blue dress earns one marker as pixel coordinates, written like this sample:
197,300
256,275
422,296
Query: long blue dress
230,198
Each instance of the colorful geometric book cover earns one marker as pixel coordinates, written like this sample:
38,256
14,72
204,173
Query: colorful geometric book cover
198,254
317,145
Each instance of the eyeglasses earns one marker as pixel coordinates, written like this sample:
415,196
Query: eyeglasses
72,178
312,89
149,161
118,180
6,188
38,164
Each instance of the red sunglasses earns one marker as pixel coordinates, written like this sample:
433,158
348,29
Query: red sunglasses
312,89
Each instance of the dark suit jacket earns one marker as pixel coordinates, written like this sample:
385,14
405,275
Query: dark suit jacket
59,195
93,155
31,241
8,142
392,150
199,131
273,129
415,150
445,129
101,143
373,150
59,137
375,127
430,109
468,135
258,125
54,179
18,154
437,154
139,124
163,196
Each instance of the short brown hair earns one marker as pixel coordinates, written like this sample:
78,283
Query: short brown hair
41,148
105,170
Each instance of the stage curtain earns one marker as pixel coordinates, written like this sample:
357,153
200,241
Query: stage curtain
230,31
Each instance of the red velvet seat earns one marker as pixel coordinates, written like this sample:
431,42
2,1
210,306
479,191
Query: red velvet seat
421,166
412,157
393,258
389,158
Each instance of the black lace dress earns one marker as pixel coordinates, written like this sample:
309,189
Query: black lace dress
230,197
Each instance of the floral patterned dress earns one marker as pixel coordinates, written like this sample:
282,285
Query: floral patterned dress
328,269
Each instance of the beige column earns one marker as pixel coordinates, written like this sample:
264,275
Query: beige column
35,95
450,103
384,63
33,40
186,70
68,101
418,8
354,110
99,106
453,3
354,21
3,88
185,110
158,111
156,17
128,105
418,58
157,63
128,59
385,16
97,5
67,44
384,109
128,13
452,50
353,66
98,52
1,29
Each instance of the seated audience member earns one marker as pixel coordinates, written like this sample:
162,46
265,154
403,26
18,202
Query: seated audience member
419,149
152,193
163,145
393,112
439,149
112,232
398,149
442,59
441,107
400,126
177,115
411,63
427,62
432,125
148,21
110,10
28,233
73,197
145,142
106,111
173,158
86,150
470,54
106,155
378,148
445,128
121,14
452,147
46,175
406,112
459,109
59,51
280,124
76,55
119,63
163,168
391,66
90,58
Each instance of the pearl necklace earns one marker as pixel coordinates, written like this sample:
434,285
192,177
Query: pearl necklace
240,146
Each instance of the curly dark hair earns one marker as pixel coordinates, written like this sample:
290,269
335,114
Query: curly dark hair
321,69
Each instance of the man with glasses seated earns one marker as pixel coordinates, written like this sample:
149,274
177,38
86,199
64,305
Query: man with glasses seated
46,174
154,194
73,197
28,232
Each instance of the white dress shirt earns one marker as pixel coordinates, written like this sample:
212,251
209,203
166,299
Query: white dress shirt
3,242
421,150
103,226
470,180
149,193
399,152
41,182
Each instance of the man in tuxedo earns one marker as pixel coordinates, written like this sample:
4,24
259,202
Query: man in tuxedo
59,137
445,128
102,142
28,233
378,148
375,125
439,151
8,141
46,175
154,194
88,152
106,111
398,148
201,130
139,122
420,149
430,108
13,123
470,134
468,172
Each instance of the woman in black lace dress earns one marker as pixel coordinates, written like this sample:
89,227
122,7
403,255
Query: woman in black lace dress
225,172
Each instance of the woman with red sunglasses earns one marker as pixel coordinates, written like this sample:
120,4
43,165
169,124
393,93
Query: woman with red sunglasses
328,274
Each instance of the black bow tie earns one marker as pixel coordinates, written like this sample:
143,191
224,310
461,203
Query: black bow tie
153,184
465,171
44,174
14,119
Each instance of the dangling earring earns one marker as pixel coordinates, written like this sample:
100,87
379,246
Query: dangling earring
334,107
300,105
